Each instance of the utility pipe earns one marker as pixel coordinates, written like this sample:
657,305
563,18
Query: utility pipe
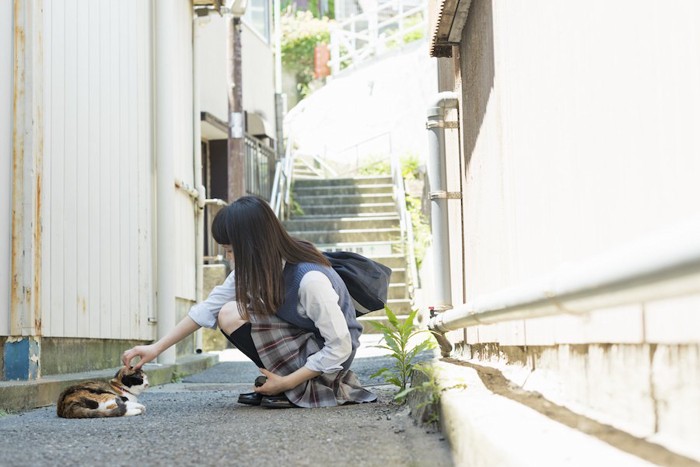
166,40
201,190
437,180
664,264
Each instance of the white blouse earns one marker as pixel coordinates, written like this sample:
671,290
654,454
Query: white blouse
318,301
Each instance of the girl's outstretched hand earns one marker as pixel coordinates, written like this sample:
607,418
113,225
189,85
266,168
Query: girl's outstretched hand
145,352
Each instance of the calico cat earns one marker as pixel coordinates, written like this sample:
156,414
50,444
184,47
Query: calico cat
116,398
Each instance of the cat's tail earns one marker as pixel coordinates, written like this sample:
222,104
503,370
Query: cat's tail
88,408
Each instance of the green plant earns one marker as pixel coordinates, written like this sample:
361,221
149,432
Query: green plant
301,32
399,337
378,165
424,380
410,167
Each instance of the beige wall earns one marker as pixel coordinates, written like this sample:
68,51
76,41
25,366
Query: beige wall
579,137
580,132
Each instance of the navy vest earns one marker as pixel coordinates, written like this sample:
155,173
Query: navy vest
293,274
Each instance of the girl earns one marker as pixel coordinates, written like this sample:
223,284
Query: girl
284,307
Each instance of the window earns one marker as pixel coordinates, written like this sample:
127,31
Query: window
257,16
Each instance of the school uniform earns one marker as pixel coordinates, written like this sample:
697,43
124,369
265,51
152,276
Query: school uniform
315,327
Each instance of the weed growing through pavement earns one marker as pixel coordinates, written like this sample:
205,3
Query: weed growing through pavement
398,337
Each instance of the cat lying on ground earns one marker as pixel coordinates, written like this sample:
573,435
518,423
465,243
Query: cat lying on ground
116,398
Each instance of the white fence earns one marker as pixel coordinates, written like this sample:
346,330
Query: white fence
376,31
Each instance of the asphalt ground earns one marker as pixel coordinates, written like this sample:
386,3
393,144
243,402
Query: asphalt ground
197,421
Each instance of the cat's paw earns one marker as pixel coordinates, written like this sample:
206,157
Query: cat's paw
134,408
135,411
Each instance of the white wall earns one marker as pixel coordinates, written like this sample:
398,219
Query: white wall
97,188
369,112
580,136
6,57
212,74
258,76
184,158
257,73
589,138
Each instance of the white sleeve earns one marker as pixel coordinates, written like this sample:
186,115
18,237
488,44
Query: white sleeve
318,301
206,313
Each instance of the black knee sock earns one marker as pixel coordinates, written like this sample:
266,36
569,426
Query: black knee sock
243,341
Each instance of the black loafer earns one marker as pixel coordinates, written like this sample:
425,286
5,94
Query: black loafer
276,402
250,398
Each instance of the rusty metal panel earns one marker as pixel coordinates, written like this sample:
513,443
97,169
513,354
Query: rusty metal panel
6,57
27,170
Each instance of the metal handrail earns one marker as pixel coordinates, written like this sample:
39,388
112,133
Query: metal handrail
327,169
367,35
280,196
405,219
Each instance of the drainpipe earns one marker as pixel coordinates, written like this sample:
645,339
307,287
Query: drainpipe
439,195
201,191
165,88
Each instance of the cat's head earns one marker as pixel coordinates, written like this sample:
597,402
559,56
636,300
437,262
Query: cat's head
136,381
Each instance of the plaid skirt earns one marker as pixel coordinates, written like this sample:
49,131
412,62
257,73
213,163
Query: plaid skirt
284,348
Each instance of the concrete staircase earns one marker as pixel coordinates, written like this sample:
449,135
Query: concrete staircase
355,214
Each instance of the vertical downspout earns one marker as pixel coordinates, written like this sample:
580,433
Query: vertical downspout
199,204
280,101
437,179
165,111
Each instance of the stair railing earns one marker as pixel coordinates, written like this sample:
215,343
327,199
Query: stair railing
406,222
316,165
369,34
280,199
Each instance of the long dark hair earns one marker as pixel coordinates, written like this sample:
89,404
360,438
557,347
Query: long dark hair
260,244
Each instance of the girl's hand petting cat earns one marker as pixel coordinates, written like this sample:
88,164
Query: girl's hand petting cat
145,352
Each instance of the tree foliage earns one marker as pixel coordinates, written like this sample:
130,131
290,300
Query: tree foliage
301,32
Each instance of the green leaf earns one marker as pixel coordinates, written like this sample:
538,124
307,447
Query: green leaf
404,393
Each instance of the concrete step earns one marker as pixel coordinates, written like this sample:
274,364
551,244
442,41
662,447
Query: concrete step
343,199
350,209
342,223
336,190
368,215
398,275
369,249
376,317
344,236
400,306
397,290
393,261
380,180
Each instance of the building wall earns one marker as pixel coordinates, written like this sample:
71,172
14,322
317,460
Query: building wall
257,74
97,189
6,39
576,142
578,137
185,287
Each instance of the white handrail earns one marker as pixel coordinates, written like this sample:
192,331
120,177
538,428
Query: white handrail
405,219
664,264
280,197
363,36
